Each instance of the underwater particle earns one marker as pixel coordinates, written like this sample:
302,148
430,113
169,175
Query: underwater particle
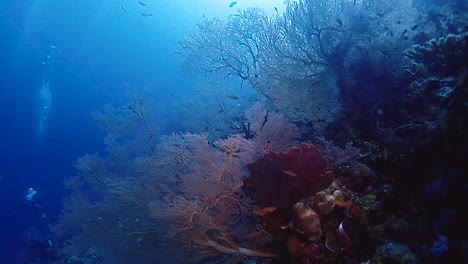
232,4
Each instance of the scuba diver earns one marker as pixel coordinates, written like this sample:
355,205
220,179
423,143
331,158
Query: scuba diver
33,201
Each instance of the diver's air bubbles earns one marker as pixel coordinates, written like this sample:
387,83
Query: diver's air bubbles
44,96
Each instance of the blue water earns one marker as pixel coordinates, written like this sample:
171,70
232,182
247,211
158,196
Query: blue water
96,52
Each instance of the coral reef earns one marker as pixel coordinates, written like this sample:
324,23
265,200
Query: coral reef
282,179
445,55
340,157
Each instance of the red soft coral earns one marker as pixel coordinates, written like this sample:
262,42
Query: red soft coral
282,179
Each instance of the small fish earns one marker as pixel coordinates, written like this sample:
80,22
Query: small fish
263,211
276,96
232,97
122,7
289,173
339,21
269,209
54,140
232,4
343,238
146,14
141,3
402,36
415,27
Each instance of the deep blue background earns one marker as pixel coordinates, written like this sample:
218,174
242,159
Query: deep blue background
98,51
25,162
